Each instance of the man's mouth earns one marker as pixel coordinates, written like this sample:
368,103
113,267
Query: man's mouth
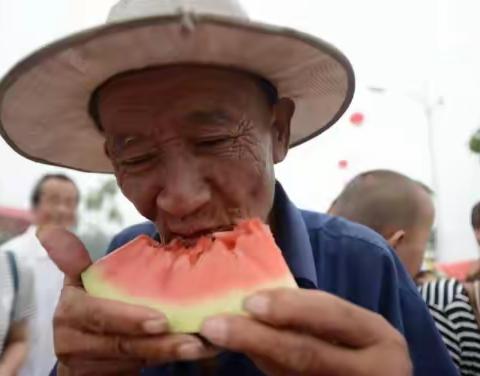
190,237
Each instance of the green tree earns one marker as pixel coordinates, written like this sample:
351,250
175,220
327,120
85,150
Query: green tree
103,200
475,142
100,217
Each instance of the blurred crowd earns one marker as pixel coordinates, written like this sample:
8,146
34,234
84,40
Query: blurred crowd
395,206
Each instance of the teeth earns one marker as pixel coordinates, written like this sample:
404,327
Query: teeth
191,238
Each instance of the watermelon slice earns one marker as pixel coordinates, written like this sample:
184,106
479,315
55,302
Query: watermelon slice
190,283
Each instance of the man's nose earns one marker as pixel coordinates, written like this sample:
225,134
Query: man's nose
185,190
63,209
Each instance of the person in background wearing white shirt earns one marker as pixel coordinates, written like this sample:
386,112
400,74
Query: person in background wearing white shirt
16,309
54,202
476,222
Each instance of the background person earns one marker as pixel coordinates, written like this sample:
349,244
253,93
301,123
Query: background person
395,206
401,210
54,202
16,308
474,273
475,221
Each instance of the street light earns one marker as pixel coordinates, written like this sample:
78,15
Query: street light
428,107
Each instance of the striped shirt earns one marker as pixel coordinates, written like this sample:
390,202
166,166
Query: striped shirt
14,306
454,316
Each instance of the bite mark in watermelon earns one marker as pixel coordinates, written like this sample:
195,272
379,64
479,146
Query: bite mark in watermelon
189,284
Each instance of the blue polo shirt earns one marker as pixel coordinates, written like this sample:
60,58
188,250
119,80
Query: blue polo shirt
347,260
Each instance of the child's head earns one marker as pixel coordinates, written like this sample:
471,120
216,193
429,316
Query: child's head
397,207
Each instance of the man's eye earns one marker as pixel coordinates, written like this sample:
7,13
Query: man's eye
213,142
135,161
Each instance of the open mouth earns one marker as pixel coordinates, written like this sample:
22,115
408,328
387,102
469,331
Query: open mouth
190,238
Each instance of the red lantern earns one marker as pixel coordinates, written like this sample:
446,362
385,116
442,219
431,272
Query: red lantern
357,118
343,164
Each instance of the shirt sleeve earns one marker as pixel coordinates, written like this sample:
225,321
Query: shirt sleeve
24,301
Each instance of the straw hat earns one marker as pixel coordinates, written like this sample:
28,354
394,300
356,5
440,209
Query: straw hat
44,98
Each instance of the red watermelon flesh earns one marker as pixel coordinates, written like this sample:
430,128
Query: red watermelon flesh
191,283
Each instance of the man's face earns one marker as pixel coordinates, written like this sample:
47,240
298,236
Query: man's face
194,147
57,204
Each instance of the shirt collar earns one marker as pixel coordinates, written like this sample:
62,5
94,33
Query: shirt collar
292,237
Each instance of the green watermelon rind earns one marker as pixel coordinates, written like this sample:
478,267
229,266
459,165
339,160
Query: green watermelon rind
189,316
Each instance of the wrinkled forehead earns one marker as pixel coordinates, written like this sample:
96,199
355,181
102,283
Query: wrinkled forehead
144,87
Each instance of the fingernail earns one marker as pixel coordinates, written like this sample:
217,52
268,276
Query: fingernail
190,351
257,304
154,326
215,330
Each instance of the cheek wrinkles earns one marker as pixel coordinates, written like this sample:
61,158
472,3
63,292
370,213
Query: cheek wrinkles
141,189
248,145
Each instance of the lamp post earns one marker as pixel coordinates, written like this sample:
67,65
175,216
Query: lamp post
429,107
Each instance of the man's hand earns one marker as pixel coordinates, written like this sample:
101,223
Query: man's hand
301,332
102,337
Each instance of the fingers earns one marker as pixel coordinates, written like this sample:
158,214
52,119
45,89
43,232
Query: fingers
168,348
66,251
294,352
320,314
310,333
80,367
137,350
90,329
79,310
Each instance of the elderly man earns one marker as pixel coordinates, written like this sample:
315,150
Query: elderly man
191,105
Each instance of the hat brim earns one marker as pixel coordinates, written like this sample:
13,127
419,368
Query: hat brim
44,99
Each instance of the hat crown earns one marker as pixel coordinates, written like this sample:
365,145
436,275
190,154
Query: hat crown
132,9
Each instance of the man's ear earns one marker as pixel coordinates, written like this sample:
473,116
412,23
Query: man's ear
282,117
396,238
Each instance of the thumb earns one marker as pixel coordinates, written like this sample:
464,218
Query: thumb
66,250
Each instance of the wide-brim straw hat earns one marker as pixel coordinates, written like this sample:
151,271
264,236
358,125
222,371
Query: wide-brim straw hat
44,99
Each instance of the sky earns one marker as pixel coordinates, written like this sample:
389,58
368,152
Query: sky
418,55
